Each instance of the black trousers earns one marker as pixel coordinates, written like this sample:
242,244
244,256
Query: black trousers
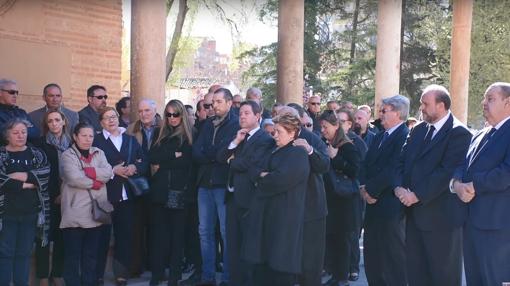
241,272
140,246
314,246
265,276
433,257
122,219
42,257
338,256
103,247
486,256
384,252
168,229
192,242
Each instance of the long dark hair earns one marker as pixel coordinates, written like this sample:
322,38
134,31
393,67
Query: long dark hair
340,136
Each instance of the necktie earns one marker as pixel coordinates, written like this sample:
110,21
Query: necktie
484,141
384,138
428,137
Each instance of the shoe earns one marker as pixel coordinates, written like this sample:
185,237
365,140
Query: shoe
192,280
120,282
353,276
331,282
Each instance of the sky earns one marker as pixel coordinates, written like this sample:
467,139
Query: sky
207,23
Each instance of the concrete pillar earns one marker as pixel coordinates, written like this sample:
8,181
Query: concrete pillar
148,52
460,56
387,67
291,22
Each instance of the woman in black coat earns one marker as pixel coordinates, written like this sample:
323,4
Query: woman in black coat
342,220
277,214
115,144
170,159
55,141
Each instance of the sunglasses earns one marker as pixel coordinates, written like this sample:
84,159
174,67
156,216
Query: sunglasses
170,114
101,97
11,91
207,105
308,125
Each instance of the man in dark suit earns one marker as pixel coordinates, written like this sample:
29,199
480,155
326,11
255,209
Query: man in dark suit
314,228
96,96
483,183
384,236
245,155
432,152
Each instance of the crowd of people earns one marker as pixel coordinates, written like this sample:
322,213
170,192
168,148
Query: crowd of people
267,197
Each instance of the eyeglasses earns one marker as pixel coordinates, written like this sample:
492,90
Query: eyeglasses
170,114
207,105
113,117
308,125
100,97
11,91
315,103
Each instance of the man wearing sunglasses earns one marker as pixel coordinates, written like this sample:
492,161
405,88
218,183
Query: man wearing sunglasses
314,109
8,109
96,96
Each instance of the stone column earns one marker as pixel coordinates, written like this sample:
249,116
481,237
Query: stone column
460,56
148,52
291,21
387,67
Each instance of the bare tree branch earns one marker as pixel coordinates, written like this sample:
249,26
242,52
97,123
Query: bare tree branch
174,44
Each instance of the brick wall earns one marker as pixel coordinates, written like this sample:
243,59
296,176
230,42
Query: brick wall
71,42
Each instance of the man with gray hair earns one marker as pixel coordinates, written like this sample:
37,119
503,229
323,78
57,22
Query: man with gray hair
255,94
432,152
384,235
8,109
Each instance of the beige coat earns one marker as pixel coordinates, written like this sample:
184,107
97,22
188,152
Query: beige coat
76,204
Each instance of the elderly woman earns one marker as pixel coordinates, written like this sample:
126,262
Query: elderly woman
54,142
126,156
277,214
342,218
24,202
85,172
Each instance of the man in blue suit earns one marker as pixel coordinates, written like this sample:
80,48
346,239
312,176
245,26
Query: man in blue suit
432,152
384,236
483,183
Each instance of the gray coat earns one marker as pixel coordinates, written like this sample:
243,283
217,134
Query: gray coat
37,117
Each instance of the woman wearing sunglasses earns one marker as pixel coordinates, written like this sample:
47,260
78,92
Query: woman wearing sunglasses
170,158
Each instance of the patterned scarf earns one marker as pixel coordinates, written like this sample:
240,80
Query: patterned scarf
61,144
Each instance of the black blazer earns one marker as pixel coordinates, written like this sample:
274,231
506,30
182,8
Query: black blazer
490,173
173,173
315,203
427,170
343,213
88,115
247,165
380,166
114,157
275,235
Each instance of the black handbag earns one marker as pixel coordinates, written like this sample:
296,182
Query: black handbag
343,186
175,197
139,184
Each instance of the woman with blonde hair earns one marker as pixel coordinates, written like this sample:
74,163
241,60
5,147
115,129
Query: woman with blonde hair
170,159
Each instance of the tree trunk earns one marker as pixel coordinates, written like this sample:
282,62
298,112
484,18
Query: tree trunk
174,44
354,35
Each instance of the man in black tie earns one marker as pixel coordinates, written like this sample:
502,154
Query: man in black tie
384,236
245,155
432,152
483,183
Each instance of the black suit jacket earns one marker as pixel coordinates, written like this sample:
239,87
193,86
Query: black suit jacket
490,173
247,165
380,166
88,115
114,157
427,170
